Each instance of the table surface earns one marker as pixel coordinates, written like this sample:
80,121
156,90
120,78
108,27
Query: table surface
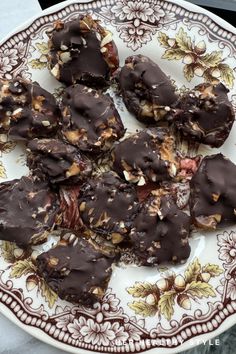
14,340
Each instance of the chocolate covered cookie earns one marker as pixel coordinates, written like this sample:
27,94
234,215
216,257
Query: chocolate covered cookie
146,90
160,231
27,111
28,210
90,119
83,51
205,114
76,269
108,206
213,192
57,161
146,156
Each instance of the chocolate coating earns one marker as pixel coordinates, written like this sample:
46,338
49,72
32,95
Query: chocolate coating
160,231
146,156
82,51
28,210
78,272
145,88
27,111
90,119
108,206
213,192
58,162
205,114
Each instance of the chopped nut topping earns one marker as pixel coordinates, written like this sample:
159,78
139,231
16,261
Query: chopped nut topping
116,237
73,170
56,71
53,261
65,57
46,123
208,222
107,39
215,197
82,206
98,292
37,103
141,181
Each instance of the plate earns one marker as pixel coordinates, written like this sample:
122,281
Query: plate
191,45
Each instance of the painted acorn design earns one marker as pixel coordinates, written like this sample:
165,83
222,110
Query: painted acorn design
152,299
189,59
164,284
199,70
205,277
179,283
198,60
184,301
200,47
18,253
31,282
174,290
171,42
215,72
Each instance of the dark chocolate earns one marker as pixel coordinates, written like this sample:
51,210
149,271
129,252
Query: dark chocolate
77,271
146,156
58,162
108,206
146,90
28,210
81,50
213,192
27,111
205,115
160,231
90,119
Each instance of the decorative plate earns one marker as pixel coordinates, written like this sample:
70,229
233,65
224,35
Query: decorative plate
141,310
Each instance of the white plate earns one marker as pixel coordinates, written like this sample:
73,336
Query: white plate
131,317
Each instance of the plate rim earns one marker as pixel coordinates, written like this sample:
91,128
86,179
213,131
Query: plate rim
183,3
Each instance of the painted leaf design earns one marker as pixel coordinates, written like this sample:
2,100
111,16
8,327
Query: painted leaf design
8,251
43,47
200,289
7,146
173,54
183,40
226,74
22,268
192,271
43,59
166,304
188,71
37,64
143,308
213,269
2,171
208,77
142,289
58,92
163,39
49,295
212,59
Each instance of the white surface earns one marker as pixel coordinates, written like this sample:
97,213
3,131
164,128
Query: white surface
15,12
14,340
